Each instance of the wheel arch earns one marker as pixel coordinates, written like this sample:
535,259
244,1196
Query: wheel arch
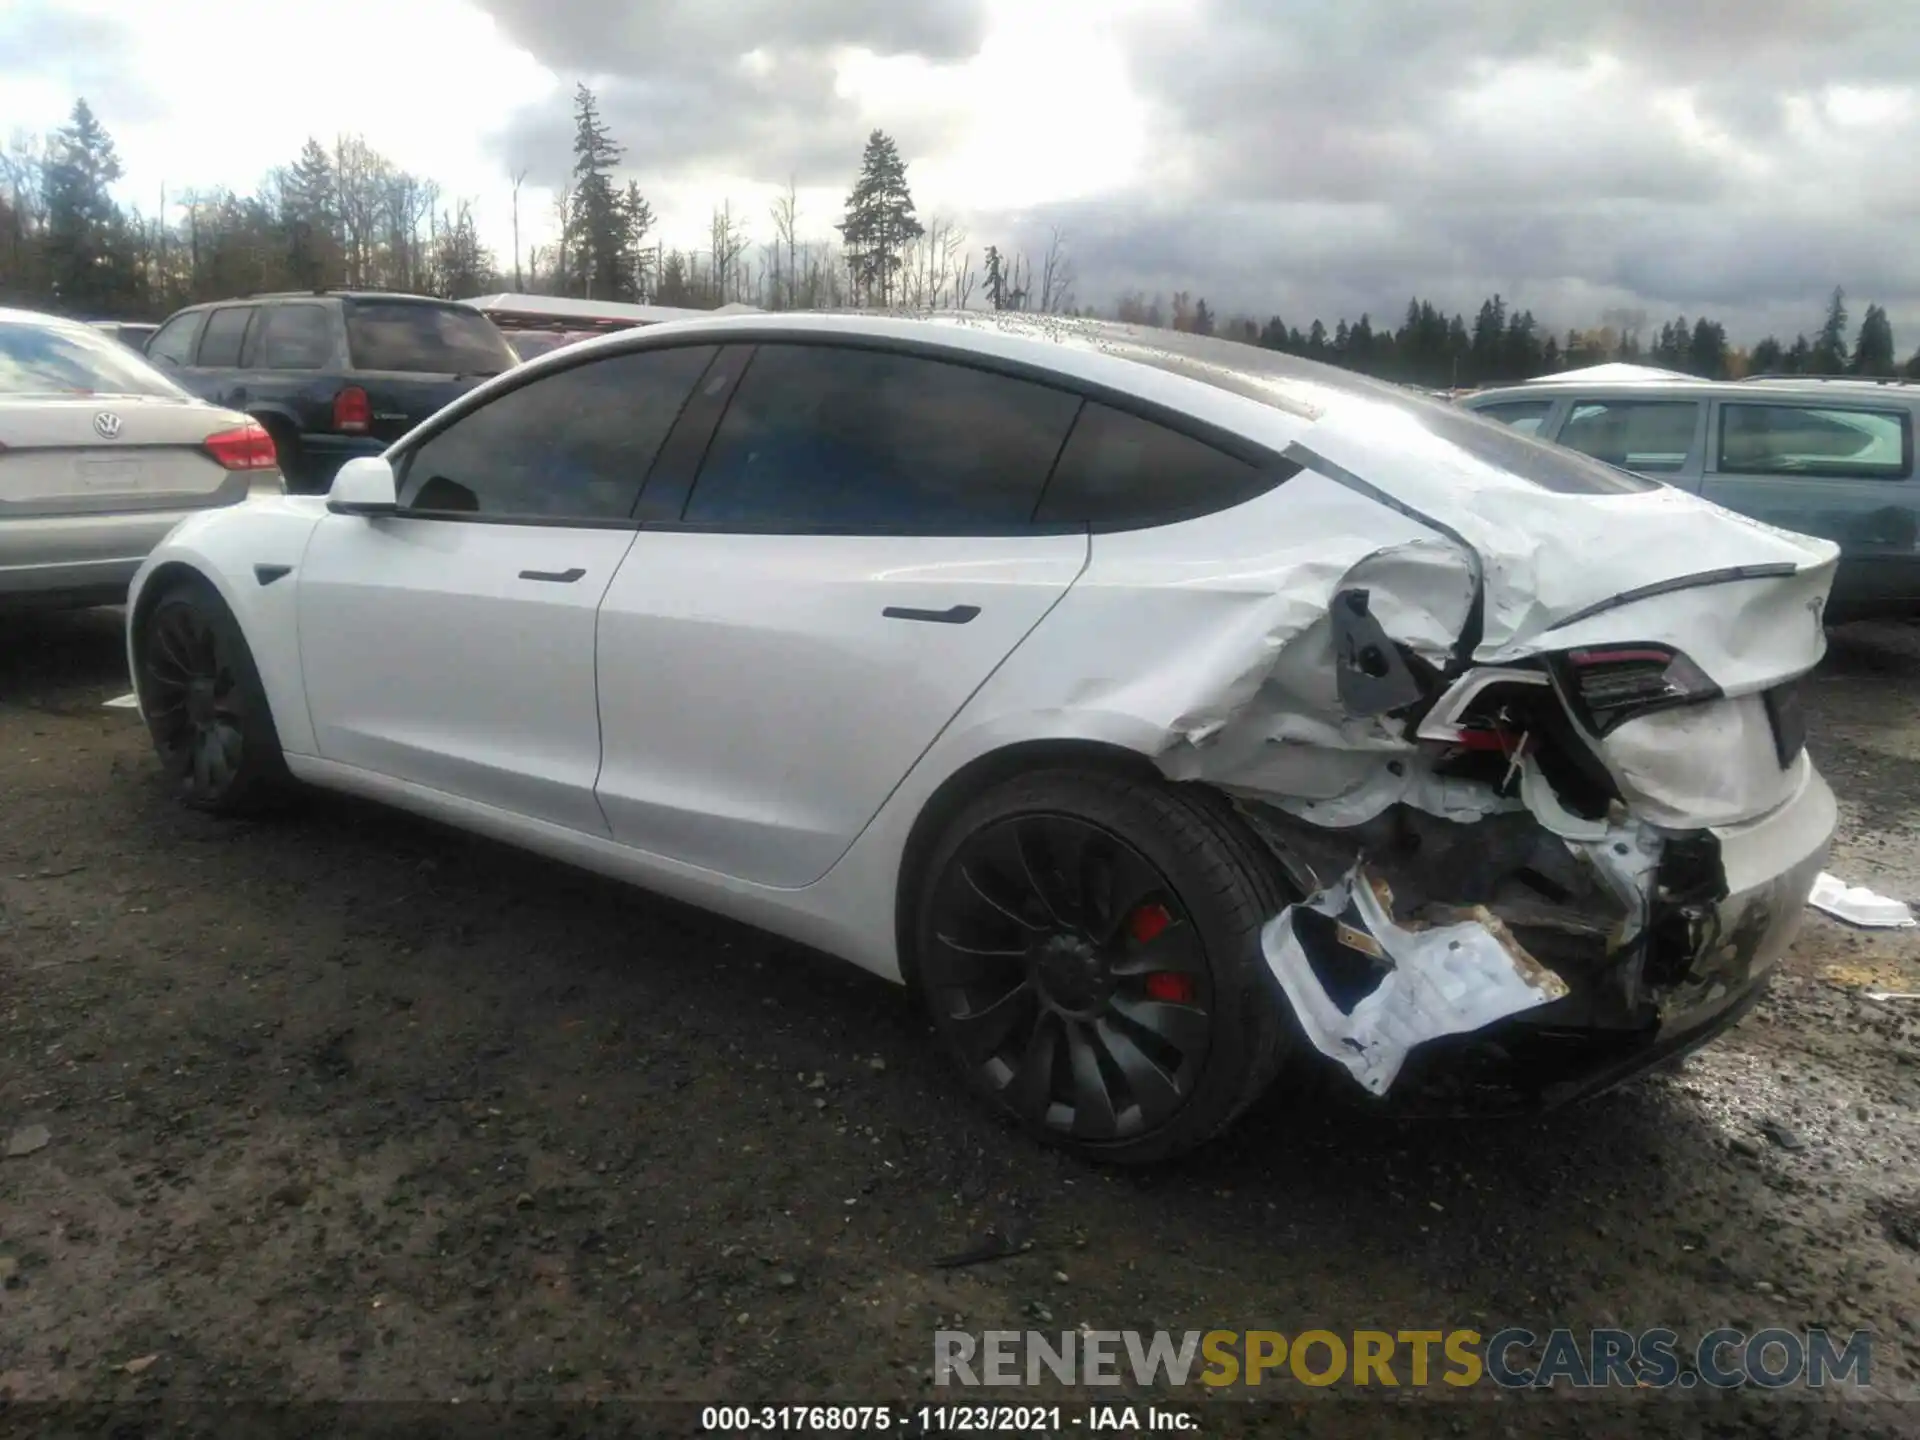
973,779
264,612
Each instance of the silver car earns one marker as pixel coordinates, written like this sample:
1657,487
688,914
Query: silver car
100,456
1823,456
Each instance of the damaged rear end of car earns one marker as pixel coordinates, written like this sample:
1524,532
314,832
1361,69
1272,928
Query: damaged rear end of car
1553,821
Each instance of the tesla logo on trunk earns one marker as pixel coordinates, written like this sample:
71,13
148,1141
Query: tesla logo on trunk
106,425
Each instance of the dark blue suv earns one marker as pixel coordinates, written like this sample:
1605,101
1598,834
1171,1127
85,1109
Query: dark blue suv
331,374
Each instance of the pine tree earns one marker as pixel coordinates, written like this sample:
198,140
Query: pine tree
1489,336
1360,343
309,217
1873,351
880,222
1707,349
1829,355
462,264
1273,335
596,221
1766,358
1202,318
89,257
1521,351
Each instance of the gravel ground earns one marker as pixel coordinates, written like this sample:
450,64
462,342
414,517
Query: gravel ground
346,1106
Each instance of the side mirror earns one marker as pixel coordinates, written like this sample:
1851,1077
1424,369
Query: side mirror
363,486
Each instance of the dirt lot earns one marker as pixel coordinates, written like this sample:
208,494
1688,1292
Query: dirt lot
343,1105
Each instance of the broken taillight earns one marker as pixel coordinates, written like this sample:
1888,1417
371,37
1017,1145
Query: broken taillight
1611,684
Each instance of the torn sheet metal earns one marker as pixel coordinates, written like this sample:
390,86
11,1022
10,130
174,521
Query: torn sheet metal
1857,905
1552,557
1378,990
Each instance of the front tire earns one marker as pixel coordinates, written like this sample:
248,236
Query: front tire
204,704
1087,945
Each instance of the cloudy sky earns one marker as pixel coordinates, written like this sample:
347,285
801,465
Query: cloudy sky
1305,157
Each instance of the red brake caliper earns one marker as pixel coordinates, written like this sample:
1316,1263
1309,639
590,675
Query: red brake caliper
1147,924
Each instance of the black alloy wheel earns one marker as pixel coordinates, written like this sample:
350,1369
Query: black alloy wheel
1072,982
204,704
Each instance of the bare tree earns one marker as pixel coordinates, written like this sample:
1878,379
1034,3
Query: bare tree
519,176
964,280
786,222
726,241
563,216
1056,275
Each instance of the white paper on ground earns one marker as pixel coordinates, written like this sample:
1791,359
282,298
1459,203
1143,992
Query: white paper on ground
124,702
1858,905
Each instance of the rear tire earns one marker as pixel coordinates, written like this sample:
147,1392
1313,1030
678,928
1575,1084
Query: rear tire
1088,947
204,704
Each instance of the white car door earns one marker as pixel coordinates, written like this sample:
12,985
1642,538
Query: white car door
452,644
857,555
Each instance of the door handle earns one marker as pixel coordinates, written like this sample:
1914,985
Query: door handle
558,577
954,615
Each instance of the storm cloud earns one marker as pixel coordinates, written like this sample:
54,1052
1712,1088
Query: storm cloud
1337,156
747,87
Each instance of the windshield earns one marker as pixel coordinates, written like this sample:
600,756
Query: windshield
411,336
55,360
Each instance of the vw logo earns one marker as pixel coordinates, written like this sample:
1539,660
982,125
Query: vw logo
106,425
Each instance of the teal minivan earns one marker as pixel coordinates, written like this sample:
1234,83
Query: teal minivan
1832,458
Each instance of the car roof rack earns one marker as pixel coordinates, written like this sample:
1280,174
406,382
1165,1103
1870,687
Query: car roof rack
344,290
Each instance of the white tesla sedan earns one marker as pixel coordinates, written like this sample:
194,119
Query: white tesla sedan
1157,708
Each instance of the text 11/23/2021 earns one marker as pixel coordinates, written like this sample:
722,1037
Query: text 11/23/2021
946,1419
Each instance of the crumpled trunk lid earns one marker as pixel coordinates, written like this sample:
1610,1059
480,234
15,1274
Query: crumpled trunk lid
1742,599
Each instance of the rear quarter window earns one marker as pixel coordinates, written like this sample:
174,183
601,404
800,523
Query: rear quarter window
1836,442
1121,472
423,339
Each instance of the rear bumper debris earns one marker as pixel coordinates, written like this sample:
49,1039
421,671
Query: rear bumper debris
1424,983
1495,1001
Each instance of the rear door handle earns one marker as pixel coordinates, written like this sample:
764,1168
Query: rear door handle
558,577
954,615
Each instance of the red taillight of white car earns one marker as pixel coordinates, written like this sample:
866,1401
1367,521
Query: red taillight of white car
1609,685
246,447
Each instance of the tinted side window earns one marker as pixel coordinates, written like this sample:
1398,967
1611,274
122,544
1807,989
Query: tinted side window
226,328
417,337
295,337
1526,416
576,445
174,342
1119,472
1815,440
1651,436
836,440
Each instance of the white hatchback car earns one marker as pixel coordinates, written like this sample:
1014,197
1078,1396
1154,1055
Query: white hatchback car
100,456
1157,707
